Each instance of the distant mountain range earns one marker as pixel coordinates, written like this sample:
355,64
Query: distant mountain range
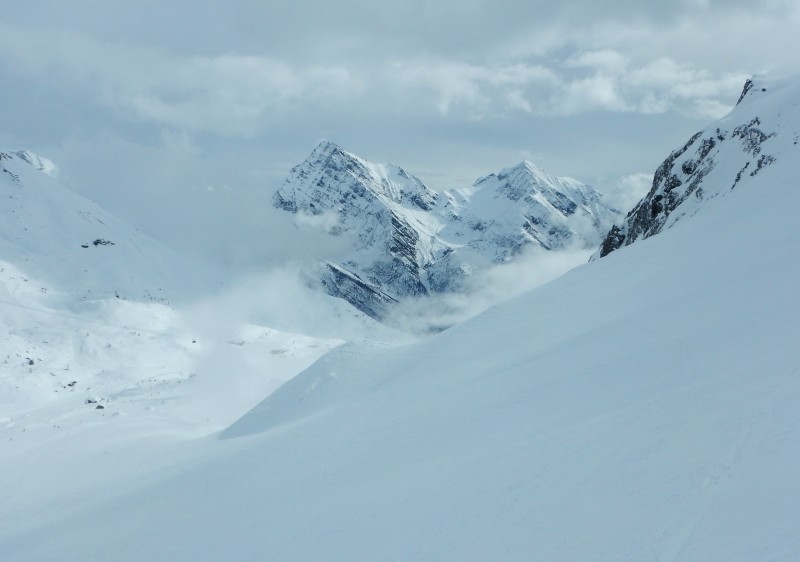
404,239
410,240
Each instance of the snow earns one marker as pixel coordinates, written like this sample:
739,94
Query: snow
728,155
411,241
524,205
641,407
71,245
44,165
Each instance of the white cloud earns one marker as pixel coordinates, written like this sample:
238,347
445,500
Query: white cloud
534,267
327,222
656,86
232,94
628,190
599,91
474,89
224,94
450,90
604,80
606,59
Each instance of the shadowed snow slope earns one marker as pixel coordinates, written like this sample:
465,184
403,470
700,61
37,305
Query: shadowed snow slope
641,407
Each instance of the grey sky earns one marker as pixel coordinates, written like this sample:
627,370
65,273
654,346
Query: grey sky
184,110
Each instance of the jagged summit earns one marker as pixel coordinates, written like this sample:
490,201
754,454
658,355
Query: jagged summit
755,86
528,169
331,177
526,179
326,150
382,207
524,205
412,240
761,131
326,146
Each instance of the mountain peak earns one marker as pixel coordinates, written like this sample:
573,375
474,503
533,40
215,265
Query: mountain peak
752,86
726,156
327,148
43,165
530,166
534,172
409,245
343,173
524,179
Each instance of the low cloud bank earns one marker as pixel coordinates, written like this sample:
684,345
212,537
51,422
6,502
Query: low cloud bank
533,268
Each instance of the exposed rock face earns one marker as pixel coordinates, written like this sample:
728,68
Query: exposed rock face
348,286
411,240
712,163
385,209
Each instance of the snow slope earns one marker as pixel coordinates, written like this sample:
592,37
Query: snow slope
641,407
78,251
95,315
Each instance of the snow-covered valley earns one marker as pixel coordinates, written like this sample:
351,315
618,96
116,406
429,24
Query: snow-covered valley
643,406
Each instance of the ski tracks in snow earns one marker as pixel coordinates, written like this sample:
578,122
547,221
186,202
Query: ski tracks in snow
676,540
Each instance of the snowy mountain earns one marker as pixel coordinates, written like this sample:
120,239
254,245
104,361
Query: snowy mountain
97,318
641,407
728,155
411,241
73,248
504,212
385,211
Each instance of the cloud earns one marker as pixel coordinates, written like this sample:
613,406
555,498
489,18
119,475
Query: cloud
281,297
604,80
142,110
242,95
628,191
606,59
327,222
670,84
454,86
615,83
534,267
224,94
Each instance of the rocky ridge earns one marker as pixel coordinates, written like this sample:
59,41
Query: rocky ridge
713,162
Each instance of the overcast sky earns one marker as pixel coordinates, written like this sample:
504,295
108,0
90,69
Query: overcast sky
145,104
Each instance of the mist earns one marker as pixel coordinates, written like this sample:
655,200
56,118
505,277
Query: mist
532,268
